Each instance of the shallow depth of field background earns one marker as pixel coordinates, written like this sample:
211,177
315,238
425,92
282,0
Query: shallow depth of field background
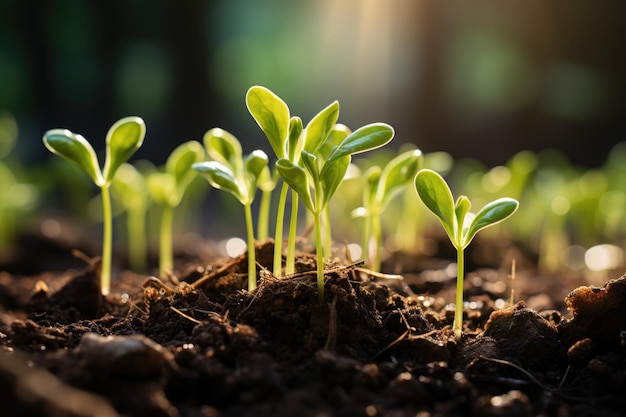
481,79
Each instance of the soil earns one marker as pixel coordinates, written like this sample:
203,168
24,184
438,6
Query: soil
378,346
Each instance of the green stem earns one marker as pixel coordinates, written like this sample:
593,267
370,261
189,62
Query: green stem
251,248
328,241
319,257
263,216
278,235
166,255
107,241
458,312
137,238
290,262
376,238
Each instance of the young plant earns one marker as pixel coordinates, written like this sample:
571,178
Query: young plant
239,176
122,140
381,186
283,133
167,189
323,171
130,191
460,225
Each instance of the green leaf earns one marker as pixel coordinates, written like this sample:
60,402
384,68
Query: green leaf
122,140
332,175
436,195
398,172
75,149
310,163
223,147
294,147
337,135
320,126
272,116
490,214
295,177
179,165
161,186
364,139
461,208
220,177
254,164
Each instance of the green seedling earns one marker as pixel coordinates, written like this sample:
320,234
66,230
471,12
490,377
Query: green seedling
460,225
167,188
381,186
283,133
122,140
323,169
238,175
130,191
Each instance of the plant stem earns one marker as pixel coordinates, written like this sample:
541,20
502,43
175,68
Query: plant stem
328,241
137,238
251,248
290,266
376,238
278,235
107,240
319,256
458,312
263,216
166,255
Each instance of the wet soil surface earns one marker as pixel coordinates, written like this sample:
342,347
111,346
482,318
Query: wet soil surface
377,346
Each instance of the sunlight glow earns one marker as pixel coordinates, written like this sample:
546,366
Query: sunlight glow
235,246
604,257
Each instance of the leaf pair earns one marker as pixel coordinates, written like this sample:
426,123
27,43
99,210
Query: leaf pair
229,170
327,169
460,225
122,140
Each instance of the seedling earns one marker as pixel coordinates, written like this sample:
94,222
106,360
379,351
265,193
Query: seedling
167,188
283,133
122,140
460,225
323,172
380,188
239,176
130,191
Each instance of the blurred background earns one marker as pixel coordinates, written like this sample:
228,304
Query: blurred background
481,79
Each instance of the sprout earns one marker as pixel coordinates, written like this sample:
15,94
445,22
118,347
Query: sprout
239,176
167,189
460,225
129,190
380,188
122,140
323,171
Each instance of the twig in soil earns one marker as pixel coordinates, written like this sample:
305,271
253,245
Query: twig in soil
555,391
188,317
218,272
405,335
157,283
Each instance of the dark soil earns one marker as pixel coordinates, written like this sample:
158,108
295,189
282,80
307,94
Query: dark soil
376,347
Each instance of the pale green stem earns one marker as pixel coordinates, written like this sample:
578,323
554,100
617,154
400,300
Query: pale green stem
263,216
137,249
376,238
166,254
328,241
319,256
251,248
290,262
278,235
458,312
107,241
